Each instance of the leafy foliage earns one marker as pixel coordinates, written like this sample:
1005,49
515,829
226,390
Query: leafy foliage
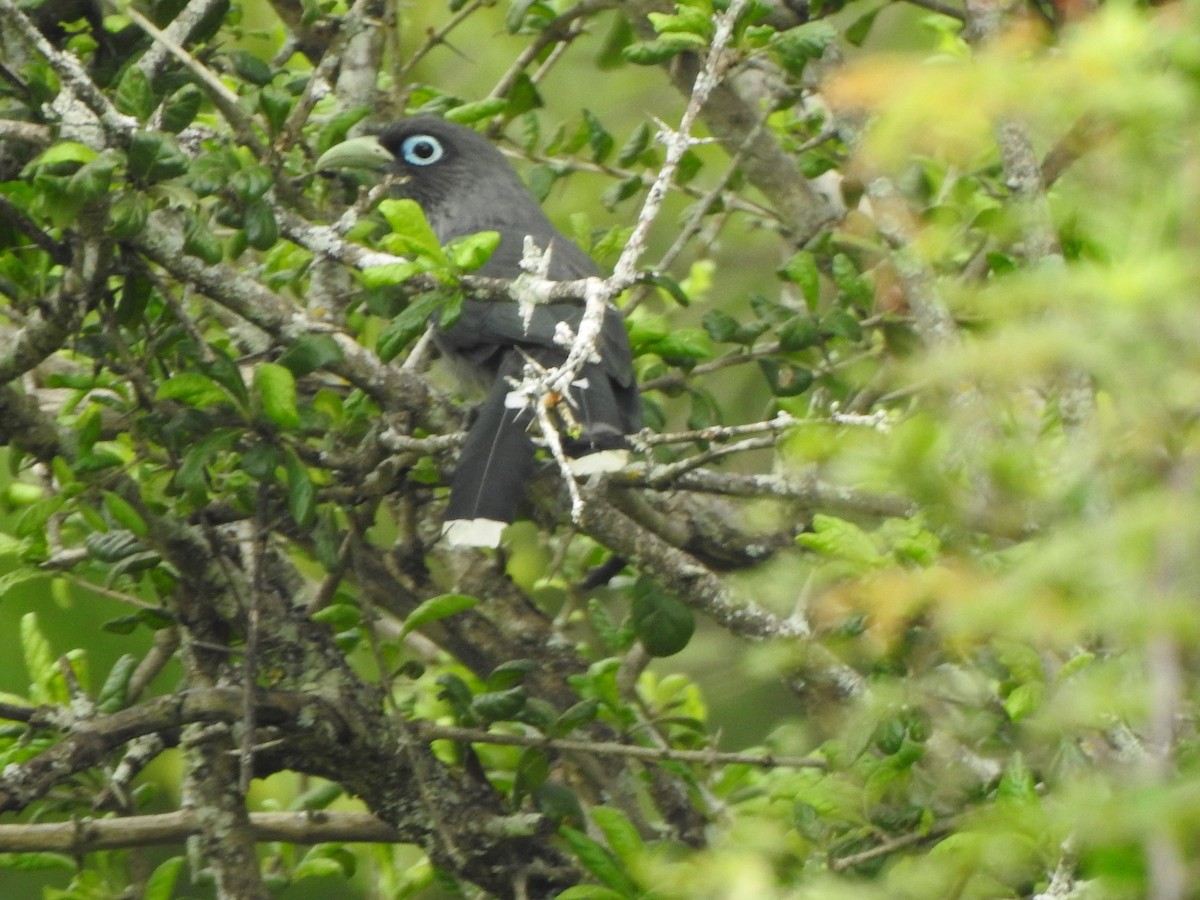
917,342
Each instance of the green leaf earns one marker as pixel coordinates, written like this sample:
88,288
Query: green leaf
127,215
40,663
558,803
407,221
154,619
193,388
858,30
663,623
455,692
784,378
88,429
686,19
599,862
161,883
522,97
598,137
540,181
135,294
62,158
134,96
689,167
1018,782
499,706
1001,263
275,104
334,131
796,46
93,180
577,716
259,221
181,107
451,310
122,624
134,563
251,182
10,546
621,190
113,694
411,322
514,18
684,345
480,109
212,173
618,37
190,476
651,53
721,326
392,274
1077,663
33,520
32,862
276,388
622,837
509,673
153,156
319,867
435,608
799,334
124,514
251,68
670,286
339,616
856,288
302,493
226,372
1024,663
838,538
842,323
533,768
590,892
470,252
310,352
801,270
199,241
1024,699
637,144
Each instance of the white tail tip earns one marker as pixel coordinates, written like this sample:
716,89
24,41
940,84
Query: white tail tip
600,461
473,532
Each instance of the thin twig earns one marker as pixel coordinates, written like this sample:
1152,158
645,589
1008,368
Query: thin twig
888,847
222,97
429,731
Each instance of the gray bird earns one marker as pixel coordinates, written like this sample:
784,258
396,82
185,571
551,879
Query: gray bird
465,185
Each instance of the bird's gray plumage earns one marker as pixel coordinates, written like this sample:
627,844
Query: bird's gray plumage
465,185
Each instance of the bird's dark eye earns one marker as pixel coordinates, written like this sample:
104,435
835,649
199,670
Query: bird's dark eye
421,150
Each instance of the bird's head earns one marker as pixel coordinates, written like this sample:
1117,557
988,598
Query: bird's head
460,180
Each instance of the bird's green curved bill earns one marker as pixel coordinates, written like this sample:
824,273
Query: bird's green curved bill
356,153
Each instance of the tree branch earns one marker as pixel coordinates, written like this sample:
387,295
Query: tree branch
90,835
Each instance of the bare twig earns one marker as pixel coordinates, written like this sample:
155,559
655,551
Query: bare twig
81,836
431,731
222,97
174,36
26,132
888,847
